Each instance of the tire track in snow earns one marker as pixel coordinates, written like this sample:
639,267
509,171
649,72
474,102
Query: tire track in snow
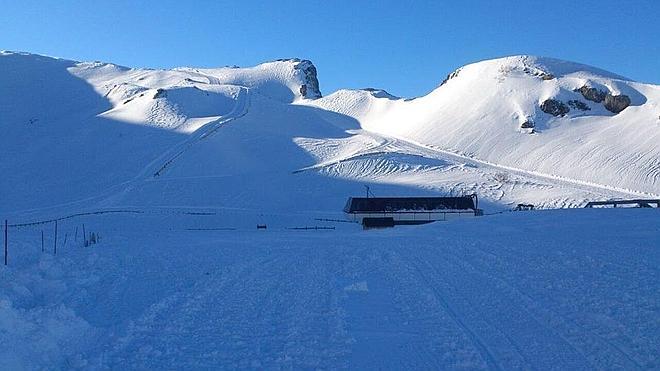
440,296
562,326
240,109
585,185
495,300
154,168
257,313
393,145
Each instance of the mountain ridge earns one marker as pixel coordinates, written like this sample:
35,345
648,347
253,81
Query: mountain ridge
97,131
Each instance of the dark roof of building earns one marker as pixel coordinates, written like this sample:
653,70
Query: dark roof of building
392,204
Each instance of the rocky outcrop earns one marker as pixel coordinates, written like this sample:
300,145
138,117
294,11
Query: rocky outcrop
160,93
528,126
592,94
380,93
616,103
613,103
310,89
450,76
546,76
579,105
554,107
537,72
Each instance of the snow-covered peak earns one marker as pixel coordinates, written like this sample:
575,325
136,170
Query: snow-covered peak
286,80
544,68
85,126
585,123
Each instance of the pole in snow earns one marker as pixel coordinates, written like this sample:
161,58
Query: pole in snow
55,244
6,241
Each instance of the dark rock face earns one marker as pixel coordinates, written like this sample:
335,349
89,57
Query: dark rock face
311,87
160,93
450,76
554,107
616,103
592,94
613,103
380,93
545,76
579,105
529,124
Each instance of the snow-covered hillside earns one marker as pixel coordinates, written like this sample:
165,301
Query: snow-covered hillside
531,115
88,135
171,170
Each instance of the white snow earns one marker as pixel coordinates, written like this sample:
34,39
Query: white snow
175,168
494,292
478,115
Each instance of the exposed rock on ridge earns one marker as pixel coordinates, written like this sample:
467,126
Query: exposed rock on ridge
554,107
613,103
310,89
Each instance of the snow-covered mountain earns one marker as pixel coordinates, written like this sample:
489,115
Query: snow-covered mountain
132,197
516,129
586,125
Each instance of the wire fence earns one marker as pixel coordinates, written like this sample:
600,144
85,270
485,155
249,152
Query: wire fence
87,239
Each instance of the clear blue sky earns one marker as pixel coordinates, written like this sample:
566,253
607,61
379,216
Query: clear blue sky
404,47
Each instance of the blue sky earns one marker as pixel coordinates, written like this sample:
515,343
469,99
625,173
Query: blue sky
404,47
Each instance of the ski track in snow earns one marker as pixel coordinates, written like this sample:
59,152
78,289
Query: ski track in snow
152,170
391,145
173,285
240,109
491,293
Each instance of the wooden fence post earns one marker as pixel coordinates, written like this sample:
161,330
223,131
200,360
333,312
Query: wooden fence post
6,241
55,244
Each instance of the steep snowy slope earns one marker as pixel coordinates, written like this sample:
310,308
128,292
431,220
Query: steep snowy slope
536,115
75,132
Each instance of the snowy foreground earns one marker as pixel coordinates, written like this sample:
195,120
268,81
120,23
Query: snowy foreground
565,289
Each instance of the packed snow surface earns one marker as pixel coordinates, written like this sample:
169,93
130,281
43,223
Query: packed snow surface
173,169
184,290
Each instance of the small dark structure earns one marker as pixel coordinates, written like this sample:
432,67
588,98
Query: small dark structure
380,212
624,203
524,207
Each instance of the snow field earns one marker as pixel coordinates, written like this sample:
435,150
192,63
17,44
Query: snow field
489,293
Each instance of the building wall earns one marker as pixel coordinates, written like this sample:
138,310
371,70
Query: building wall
413,216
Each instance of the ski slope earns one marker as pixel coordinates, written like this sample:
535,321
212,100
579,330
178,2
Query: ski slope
104,135
479,111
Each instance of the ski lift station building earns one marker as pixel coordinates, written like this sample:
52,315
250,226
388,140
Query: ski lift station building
391,211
